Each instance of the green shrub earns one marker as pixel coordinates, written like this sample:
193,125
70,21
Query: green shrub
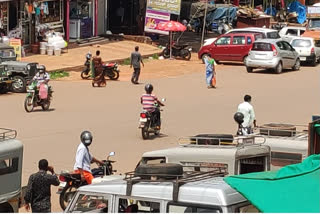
155,56
58,74
126,61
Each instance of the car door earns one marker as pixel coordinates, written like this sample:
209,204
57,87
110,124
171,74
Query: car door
283,53
221,48
238,48
292,55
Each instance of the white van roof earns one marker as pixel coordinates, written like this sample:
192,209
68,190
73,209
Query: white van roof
253,29
211,191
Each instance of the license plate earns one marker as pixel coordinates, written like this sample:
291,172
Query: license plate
30,91
143,120
190,49
303,58
260,56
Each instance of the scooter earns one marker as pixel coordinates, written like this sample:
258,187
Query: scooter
70,182
111,70
33,98
147,123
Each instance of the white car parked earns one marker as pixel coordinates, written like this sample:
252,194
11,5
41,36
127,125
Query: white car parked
308,50
287,33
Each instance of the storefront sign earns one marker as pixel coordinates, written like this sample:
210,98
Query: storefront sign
153,18
167,6
16,44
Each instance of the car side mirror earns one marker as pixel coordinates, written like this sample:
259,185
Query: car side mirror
112,154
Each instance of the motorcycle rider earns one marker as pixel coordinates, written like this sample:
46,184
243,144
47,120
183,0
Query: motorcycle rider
41,76
84,158
148,101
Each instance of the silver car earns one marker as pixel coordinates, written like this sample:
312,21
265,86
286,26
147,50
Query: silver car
272,54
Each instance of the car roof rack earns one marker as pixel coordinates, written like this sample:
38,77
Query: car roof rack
284,133
7,134
177,180
236,141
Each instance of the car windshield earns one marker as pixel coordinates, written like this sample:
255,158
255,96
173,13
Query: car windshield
273,35
314,23
7,53
261,46
301,43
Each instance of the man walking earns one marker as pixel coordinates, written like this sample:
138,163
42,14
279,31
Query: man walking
39,188
249,117
136,59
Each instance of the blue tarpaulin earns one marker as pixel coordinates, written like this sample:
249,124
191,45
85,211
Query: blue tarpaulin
300,9
228,13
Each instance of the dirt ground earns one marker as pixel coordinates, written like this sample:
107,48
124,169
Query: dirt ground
77,56
112,112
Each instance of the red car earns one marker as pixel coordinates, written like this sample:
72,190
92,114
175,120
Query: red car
230,47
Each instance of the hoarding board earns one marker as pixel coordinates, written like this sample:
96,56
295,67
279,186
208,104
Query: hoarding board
167,6
153,18
16,44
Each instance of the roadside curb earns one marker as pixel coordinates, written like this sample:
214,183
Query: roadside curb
79,68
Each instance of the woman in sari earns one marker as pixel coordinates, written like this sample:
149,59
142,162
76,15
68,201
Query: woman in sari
98,71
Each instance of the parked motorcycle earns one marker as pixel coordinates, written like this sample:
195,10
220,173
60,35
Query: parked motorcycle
70,182
183,51
33,98
147,123
111,70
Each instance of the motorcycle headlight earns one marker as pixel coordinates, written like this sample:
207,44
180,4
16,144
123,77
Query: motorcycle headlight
28,67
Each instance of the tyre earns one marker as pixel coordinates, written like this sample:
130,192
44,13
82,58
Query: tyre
46,105
165,170
278,68
66,196
85,74
28,104
249,69
245,59
277,129
296,66
166,53
145,133
314,62
115,75
186,54
204,56
4,89
19,85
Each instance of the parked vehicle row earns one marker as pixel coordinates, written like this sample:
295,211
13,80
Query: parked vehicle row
264,48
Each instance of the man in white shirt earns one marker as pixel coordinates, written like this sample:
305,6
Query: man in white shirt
247,110
84,158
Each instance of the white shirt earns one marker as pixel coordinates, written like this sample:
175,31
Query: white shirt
83,158
247,110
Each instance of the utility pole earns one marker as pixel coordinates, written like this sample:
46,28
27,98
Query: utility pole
204,22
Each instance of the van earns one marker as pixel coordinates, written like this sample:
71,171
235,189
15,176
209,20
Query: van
205,152
196,192
11,154
267,33
230,47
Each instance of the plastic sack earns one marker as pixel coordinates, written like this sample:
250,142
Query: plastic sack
214,81
43,91
300,9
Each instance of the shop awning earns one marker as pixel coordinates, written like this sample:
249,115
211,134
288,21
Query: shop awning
292,189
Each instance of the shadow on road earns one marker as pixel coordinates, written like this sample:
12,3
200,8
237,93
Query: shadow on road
40,110
161,135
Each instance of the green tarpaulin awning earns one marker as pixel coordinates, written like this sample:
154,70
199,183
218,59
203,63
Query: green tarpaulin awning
292,189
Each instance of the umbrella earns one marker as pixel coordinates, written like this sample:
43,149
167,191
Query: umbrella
171,26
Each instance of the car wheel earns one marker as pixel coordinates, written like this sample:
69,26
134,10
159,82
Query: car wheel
249,69
314,62
278,68
245,59
204,56
296,66
19,85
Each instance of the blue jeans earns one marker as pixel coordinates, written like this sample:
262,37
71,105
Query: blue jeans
209,76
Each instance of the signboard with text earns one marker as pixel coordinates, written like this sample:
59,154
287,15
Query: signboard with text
153,18
16,44
167,6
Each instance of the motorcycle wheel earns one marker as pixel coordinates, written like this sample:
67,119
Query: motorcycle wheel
166,53
114,75
187,55
66,196
46,105
85,74
145,133
28,105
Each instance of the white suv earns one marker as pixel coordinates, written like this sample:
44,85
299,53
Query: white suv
307,48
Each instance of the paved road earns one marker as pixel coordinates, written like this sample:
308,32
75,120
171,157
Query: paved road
111,113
